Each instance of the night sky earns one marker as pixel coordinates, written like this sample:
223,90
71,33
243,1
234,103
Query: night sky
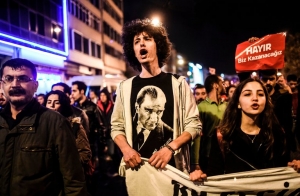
207,31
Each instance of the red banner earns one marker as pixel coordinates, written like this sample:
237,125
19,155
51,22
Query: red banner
265,53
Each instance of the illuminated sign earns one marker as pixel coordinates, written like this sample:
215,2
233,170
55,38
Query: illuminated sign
52,50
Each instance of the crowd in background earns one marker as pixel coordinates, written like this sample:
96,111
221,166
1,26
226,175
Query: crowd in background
75,146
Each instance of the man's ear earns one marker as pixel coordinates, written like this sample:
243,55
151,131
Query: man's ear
215,85
36,85
82,92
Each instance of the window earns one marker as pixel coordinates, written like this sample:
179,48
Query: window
86,46
14,13
32,19
77,42
40,24
3,10
93,47
95,3
98,51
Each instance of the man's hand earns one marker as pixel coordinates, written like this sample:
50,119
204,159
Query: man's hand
198,175
160,158
253,39
295,164
132,158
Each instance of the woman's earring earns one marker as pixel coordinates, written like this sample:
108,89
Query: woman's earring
239,106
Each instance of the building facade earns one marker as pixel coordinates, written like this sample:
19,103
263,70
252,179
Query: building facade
35,30
95,40
64,38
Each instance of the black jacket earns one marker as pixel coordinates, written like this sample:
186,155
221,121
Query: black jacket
38,155
283,110
243,155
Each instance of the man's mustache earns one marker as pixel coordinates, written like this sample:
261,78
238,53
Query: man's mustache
17,91
1,99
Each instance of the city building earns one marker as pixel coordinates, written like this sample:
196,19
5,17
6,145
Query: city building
95,41
36,30
65,38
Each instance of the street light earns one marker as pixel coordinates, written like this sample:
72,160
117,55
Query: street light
155,21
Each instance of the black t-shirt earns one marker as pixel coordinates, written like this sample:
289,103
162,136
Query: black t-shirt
152,107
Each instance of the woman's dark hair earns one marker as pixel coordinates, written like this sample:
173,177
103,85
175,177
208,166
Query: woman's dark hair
267,120
159,33
228,88
107,94
64,100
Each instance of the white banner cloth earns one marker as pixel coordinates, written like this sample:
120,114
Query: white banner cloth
149,181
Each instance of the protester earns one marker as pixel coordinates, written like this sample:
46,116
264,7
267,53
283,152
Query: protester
76,111
41,98
283,86
282,102
112,152
37,156
3,100
211,112
60,102
230,90
249,136
199,93
96,134
292,82
93,96
146,48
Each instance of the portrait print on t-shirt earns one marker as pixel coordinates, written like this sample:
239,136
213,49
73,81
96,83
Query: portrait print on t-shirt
151,133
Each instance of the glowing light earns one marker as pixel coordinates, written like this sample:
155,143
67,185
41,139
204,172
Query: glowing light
254,74
66,26
191,64
279,73
35,45
198,66
189,73
34,51
32,44
180,61
179,56
57,29
155,21
222,75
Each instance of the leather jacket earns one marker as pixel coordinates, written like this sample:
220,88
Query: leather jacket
37,156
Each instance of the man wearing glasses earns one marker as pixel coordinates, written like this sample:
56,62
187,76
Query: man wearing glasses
37,156
282,102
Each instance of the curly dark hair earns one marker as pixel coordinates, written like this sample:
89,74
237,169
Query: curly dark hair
64,100
267,121
159,33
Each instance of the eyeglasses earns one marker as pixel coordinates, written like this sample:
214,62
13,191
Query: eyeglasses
265,79
22,79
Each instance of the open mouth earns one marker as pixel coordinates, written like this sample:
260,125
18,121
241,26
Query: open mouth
255,106
143,51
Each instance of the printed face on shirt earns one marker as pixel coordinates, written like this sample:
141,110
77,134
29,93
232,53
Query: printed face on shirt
53,102
252,99
151,109
18,85
144,48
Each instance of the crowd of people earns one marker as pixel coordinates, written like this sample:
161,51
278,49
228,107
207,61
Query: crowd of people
66,142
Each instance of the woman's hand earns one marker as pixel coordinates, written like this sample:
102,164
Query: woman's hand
295,164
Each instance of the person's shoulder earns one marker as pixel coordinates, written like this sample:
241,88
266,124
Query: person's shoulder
173,75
